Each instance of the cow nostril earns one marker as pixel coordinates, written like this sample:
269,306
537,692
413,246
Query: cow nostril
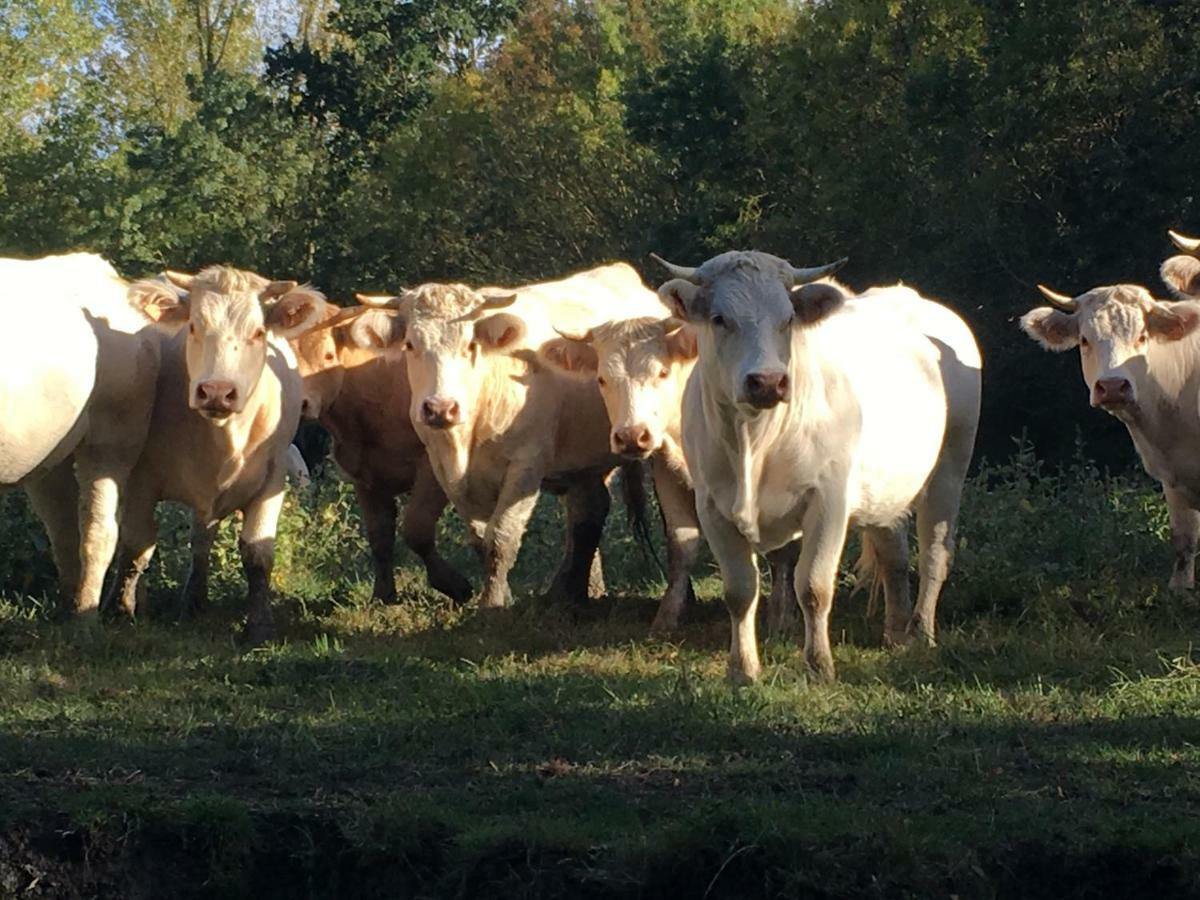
643,439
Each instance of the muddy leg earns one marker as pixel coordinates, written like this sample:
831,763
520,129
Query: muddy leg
194,599
378,507
257,547
505,530
1185,534
783,605
682,529
421,515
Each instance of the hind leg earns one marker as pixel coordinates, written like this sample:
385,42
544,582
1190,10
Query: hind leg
1185,534
937,515
889,547
139,534
782,603
588,503
55,499
419,529
194,599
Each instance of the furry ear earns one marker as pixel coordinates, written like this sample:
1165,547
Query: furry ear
1173,321
158,302
295,312
572,357
681,344
1051,328
1182,276
816,301
376,330
684,299
500,331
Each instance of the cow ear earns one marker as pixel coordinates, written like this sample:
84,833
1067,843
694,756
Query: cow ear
684,298
1173,321
158,302
1182,276
1051,328
500,331
681,344
816,301
295,312
376,330
573,357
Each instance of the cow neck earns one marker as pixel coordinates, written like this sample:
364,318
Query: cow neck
236,439
1157,428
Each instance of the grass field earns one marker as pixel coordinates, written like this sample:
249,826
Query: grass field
1050,746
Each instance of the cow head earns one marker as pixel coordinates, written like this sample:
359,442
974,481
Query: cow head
228,314
1114,328
319,361
1182,273
640,366
744,306
444,331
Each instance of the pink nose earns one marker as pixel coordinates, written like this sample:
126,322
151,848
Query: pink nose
632,441
1111,391
766,389
218,396
437,412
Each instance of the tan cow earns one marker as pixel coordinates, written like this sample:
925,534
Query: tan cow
227,405
362,399
497,422
73,421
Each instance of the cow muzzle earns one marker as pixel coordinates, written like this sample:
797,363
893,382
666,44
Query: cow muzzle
765,390
634,442
1112,393
216,399
438,412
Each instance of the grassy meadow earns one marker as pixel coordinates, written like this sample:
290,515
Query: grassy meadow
1049,746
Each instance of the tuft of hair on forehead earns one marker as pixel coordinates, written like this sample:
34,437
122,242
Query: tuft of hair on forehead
228,280
750,261
629,331
446,302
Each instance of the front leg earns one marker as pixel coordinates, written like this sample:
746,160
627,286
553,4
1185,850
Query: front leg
825,525
588,503
682,528
195,592
257,547
739,572
421,515
378,507
505,529
1185,536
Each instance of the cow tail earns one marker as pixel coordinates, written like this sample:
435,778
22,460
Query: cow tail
867,576
633,493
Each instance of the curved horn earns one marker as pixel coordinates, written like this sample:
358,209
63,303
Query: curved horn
688,274
496,301
1190,245
803,276
671,324
1057,300
379,301
180,279
581,337
347,314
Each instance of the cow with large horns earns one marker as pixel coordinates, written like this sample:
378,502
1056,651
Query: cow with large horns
809,411
1141,363
642,367
74,421
227,405
498,423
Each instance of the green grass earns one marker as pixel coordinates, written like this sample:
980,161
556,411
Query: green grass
1050,746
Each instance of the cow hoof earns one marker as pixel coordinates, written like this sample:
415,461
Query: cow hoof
258,633
897,638
495,600
741,676
1180,585
820,669
664,625
452,585
387,599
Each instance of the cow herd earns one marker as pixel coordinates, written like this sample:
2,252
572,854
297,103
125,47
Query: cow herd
775,409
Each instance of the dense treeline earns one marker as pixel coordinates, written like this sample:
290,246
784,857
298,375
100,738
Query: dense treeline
968,147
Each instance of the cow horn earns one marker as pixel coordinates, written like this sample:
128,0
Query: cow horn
1057,300
180,279
496,301
347,314
580,337
1190,245
688,274
276,289
379,301
671,324
804,276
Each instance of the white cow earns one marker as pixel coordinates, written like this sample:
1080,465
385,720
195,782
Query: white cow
227,404
73,421
496,421
1141,363
809,412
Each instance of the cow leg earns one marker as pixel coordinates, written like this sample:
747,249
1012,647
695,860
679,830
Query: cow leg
682,529
55,500
379,518
194,598
588,503
739,573
257,547
816,573
502,540
782,603
1185,535
101,474
937,514
139,534
421,515
889,559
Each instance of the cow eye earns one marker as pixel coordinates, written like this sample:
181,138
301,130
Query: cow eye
664,373
328,357
473,348
408,345
259,335
1084,343
719,321
600,380
1142,338
191,328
